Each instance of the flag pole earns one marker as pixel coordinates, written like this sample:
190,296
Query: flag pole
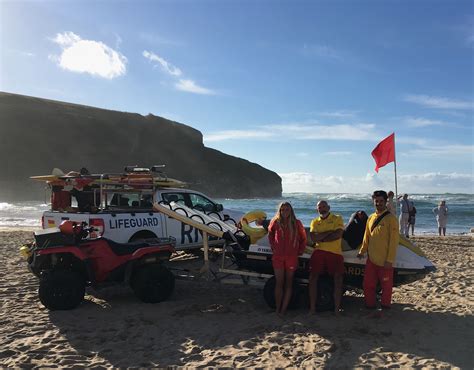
395,170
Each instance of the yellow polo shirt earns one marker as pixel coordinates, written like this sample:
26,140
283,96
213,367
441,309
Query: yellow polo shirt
382,242
331,223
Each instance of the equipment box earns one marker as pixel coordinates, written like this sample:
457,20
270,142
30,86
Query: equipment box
52,237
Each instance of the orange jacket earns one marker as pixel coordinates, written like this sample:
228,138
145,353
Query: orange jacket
284,244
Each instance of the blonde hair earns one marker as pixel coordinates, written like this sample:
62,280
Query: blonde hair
291,220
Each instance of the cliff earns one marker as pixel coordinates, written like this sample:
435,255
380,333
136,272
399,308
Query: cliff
38,134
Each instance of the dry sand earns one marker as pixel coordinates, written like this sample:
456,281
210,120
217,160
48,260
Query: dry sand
206,323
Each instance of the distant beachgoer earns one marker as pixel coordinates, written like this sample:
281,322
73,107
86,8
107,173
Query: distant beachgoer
326,231
391,203
380,242
441,213
287,238
412,217
404,214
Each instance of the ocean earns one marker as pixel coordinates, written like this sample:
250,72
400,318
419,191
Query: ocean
460,221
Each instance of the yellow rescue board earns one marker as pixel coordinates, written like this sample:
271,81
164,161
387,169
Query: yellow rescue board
178,216
408,244
48,178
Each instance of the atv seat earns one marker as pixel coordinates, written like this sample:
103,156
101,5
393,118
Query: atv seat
123,249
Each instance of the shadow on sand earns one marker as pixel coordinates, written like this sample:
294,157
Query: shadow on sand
201,321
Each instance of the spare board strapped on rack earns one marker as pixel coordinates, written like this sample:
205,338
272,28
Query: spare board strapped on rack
133,181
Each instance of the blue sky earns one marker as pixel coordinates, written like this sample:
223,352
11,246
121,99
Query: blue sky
304,88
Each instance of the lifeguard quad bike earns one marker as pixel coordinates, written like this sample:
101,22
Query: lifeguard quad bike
66,262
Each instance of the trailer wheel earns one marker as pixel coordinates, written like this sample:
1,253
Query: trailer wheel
269,294
61,289
325,297
152,283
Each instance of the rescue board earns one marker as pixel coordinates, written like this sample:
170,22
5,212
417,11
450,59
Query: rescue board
204,228
131,180
182,218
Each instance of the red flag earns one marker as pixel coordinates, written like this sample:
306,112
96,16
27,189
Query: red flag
384,152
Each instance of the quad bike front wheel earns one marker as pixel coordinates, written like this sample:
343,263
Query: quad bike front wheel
152,283
61,289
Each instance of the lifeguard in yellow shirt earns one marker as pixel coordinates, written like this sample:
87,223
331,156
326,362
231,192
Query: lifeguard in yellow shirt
326,231
380,242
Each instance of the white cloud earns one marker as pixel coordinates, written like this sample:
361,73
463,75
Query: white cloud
88,56
435,182
118,41
410,140
410,183
157,40
190,86
337,153
439,102
360,131
441,150
186,85
21,53
322,51
308,182
470,39
373,181
298,131
423,122
302,154
338,114
166,66
236,134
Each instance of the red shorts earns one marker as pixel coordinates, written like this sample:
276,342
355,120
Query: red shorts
287,263
323,261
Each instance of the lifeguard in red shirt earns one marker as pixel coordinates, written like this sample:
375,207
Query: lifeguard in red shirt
287,238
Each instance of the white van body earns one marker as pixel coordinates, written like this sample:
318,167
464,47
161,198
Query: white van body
125,216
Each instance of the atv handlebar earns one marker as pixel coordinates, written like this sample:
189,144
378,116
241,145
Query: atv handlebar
78,230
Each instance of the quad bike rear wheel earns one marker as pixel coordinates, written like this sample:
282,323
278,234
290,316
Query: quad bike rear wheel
61,289
152,283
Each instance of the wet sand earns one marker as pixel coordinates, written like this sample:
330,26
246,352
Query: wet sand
206,323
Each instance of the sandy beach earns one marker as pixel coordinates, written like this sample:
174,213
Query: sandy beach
206,323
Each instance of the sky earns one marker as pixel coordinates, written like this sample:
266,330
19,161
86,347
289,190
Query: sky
304,88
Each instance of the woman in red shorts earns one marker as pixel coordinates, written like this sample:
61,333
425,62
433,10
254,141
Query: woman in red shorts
287,238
